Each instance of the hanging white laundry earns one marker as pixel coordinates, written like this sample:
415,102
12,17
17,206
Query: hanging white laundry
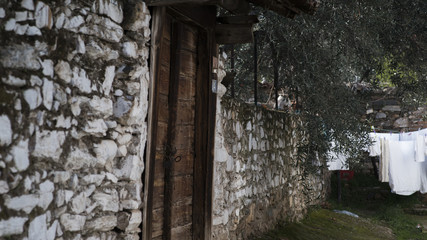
420,147
404,172
375,148
384,160
337,161
423,176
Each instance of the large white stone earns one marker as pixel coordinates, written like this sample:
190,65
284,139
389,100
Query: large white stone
21,29
5,131
33,31
103,28
130,49
73,23
81,81
20,56
131,168
111,8
61,176
93,179
79,158
121,107
4,188
103,224
21,16
134,221
51,232
14,81
47,93
25,203
101,106
12,226
63,122
2,13
105,152
38,228
78,203
20,155
47,66
81,47
27,4
10,25
33,97
96,127
72,223
43,15
108,79
48,144
109,201
63,70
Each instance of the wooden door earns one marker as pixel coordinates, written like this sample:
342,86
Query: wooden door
182,78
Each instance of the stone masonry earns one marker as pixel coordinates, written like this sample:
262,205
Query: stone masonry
73,105
258,181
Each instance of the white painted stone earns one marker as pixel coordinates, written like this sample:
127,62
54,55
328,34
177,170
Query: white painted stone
20,56
60,21
4,188
118,93
72,223
109,201
111,8
78,204
27,4
103,224
81,47
25,203
108,79
63,122
96,127
68,195
134,221
101,106
130,168
2,13
48,144
110,177
89,190
36,81
105,152
33,31
14,81
51,232
20,155
46,186
81,81
5,131
38,228
21,29
10,25
47,66
12,226
93,179
133,88
47,93
61,176
130,49
43,15
73,23
33,97
79,158
111,124
60,198
103,28
124,139
21,16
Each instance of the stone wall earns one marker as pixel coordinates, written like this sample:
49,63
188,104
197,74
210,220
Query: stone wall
258,181
73,105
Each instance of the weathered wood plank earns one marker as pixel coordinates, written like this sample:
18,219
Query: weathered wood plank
186,113
182,232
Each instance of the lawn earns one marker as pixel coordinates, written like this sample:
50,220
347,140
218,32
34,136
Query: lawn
382,215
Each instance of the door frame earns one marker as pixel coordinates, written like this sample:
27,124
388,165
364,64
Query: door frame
203,17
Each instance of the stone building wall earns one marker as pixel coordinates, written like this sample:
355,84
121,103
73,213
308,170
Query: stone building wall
73,105
258,181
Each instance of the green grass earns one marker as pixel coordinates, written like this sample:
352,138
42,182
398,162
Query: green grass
381,214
